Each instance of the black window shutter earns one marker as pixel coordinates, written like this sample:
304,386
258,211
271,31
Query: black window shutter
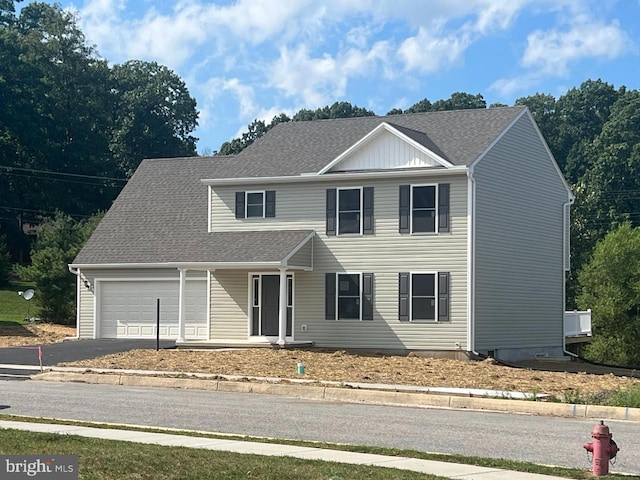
270,203
405,207
239,204
443,296
443,208
367,296
367,211
403,297
331,211
330,296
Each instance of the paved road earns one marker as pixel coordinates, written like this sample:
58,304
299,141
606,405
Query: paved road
545,440
55,353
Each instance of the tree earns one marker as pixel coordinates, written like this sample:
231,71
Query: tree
610,286
580,115
423,105
58,242
5,261
460,101
154,114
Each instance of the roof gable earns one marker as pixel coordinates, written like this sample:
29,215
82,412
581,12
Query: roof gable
305,148
387,147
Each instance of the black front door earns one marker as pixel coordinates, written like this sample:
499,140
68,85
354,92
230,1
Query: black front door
270,305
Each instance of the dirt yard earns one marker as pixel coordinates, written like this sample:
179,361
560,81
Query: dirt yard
32,334
342,366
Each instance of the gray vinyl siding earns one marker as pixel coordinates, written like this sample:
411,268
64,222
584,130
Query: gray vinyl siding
87,303
229,305
385,254
304,256
519,244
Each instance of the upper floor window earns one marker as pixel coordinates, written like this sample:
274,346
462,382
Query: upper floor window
424,208
257,204
350,211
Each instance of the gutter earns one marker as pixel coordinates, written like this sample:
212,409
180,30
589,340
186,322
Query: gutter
471,258
76,272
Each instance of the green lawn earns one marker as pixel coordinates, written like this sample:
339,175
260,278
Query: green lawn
13,308
570,473
107,459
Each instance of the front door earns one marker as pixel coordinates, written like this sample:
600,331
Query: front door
270,308
266,305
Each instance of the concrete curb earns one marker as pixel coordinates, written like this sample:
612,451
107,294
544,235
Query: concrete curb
347,394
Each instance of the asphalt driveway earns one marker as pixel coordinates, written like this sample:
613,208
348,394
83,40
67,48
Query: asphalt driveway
70,351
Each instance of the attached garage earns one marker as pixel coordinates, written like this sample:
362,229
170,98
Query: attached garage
128,308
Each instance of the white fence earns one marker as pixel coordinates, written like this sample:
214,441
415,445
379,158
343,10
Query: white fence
577,323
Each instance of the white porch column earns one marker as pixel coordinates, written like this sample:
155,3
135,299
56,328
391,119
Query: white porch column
181,305
282,310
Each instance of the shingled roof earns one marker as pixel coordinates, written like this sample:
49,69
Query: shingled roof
161,217
294,148
161,214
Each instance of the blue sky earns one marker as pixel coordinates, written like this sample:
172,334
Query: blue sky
251,59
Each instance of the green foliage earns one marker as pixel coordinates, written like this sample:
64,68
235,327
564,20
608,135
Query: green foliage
5,262
65,110
154,114
58,242
610,284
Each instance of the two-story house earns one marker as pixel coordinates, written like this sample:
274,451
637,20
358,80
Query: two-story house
441,232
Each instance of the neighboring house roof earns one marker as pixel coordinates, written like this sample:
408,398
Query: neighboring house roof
161,214
161,217
294,148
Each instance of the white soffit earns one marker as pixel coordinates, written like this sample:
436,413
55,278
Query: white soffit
385,148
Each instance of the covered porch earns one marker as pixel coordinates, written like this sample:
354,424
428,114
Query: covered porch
269,261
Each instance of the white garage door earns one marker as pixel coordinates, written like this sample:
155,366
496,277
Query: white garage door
128,309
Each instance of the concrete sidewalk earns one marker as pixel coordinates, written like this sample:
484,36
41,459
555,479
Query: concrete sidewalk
442,469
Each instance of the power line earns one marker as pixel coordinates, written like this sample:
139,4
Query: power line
77,182
49,172
47,212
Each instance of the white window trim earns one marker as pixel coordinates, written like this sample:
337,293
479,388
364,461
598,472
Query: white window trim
338,297
251,300
338,190
246,203
411,187
436,285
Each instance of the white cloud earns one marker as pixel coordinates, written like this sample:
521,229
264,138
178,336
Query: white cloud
428,53
552,51
512,87
216,87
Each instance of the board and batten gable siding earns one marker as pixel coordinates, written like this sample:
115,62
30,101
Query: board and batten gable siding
384,152
87,302
519,244
384,253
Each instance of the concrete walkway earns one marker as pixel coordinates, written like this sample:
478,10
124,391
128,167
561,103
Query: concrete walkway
442,469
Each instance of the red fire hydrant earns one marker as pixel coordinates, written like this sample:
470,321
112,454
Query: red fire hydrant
603,448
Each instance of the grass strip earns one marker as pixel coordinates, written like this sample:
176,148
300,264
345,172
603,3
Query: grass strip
111,459
440,457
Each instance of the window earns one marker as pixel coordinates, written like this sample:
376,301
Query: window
424,208
350,211
255,204
259,204
423,296
349,296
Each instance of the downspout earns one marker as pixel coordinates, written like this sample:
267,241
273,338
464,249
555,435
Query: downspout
565,235
76,272
471,260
